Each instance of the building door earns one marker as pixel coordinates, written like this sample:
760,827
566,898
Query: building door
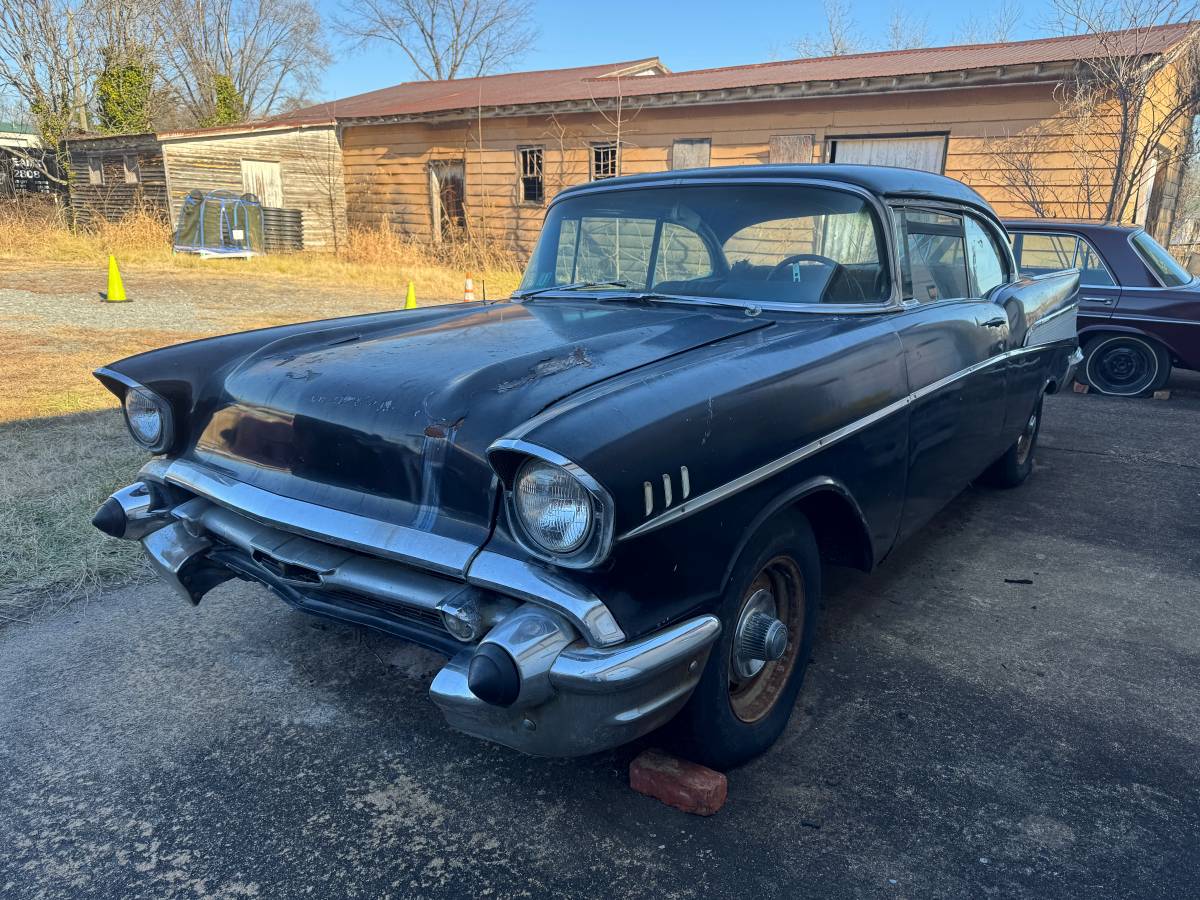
446,193
264,181
927,152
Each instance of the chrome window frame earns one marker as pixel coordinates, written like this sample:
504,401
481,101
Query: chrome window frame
1116,285
892,303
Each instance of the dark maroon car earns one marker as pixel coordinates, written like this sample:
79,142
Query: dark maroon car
1139,310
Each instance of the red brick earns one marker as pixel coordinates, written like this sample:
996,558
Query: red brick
1080,388
676,782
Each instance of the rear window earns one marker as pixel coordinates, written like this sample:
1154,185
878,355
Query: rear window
1160,262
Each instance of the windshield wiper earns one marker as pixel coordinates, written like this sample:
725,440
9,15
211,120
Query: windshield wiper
576,286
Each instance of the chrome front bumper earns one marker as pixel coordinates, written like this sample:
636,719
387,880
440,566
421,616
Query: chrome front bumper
575,696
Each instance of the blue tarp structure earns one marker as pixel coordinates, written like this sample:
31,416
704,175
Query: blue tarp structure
219,223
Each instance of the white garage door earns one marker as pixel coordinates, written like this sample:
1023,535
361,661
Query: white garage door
928,153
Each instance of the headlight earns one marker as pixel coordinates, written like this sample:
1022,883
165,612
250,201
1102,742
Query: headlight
554,509
144,413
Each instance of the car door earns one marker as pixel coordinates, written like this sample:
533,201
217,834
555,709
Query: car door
1041,252
953,342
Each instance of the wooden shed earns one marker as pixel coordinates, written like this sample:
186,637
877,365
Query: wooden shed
297,165
115,175
483,156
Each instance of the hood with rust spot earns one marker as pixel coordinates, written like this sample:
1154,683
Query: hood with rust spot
392,418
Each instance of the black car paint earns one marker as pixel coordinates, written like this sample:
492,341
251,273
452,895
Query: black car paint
391,415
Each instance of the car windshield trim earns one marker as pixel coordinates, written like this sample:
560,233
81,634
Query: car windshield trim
1157,255
852,232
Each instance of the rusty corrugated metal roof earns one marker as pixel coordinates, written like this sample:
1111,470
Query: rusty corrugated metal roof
415,98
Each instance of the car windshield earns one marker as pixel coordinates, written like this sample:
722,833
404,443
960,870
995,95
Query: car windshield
759,243
1161,263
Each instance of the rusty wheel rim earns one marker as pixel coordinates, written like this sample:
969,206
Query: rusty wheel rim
752,698
1025,441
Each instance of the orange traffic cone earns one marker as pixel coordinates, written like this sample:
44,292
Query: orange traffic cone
116,290
410,300
469,290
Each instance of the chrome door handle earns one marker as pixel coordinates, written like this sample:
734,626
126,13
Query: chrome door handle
996,322
1103,301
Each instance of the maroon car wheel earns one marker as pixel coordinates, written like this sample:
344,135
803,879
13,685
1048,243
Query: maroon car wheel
1125,365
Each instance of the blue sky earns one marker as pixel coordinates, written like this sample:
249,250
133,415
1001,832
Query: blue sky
686,35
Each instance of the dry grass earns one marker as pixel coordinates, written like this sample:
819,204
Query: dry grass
54,473
63,446
380,258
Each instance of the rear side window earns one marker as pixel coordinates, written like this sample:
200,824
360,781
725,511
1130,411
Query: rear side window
985,258
933,255
1040,254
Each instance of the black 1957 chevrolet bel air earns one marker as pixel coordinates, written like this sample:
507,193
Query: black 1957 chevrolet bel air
609,501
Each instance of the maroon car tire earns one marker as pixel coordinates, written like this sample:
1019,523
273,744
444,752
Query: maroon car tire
1125,365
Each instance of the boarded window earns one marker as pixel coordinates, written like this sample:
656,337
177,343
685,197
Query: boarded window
95,170
691,153
446,198
533,184
604,161
133,173
264,181
791,148
682,256
925,153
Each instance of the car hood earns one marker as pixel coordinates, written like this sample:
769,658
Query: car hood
392,418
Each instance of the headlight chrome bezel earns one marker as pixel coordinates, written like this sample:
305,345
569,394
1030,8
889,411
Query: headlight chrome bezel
166,421
595,545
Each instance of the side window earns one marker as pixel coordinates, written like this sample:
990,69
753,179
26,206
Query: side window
933,255
1040,254
987,263
682,255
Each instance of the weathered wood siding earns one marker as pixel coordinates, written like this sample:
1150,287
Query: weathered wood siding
114,199
387,166
310,162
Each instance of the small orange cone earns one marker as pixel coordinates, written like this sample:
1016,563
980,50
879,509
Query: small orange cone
410,300
116,290
469,290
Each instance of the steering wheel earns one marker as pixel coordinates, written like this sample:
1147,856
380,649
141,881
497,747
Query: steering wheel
788,261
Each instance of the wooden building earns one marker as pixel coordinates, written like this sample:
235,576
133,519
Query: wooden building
484,155
297,165
115,175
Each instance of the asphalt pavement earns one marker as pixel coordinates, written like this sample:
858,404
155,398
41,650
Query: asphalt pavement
1009,707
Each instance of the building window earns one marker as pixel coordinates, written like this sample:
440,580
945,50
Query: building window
925,152
133,173
533,184
604,161
446,194
95,169
691,153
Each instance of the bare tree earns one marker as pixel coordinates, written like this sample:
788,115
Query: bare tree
906,31
838,36
267,50
444,38
1125,113
989,28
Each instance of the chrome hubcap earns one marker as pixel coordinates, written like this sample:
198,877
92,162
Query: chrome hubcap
760,638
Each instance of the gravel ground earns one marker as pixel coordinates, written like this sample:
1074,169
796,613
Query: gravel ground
1009,707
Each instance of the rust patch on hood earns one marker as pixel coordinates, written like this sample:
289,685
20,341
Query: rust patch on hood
547,367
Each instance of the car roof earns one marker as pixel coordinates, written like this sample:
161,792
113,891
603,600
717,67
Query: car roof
1067,225
887,180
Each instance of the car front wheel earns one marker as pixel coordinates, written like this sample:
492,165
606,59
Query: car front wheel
1125,365
754,673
